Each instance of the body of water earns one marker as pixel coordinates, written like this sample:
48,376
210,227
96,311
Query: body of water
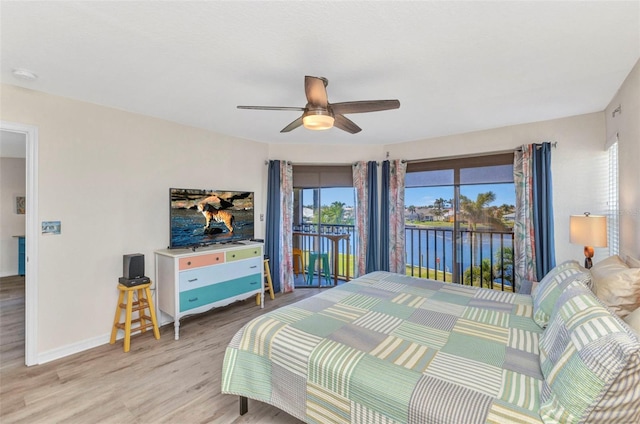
429,248
434,248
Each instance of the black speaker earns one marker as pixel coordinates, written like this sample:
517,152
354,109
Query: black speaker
133,265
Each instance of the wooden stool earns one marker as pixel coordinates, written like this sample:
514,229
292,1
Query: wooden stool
298,261
144,302
269,285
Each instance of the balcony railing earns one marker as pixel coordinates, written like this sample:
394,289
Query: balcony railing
309,243
484,258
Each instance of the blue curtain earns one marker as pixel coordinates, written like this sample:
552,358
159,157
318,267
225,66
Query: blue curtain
385,207
373,255
543,210
272,237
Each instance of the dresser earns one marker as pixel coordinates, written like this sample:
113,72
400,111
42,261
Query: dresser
191,282
22,253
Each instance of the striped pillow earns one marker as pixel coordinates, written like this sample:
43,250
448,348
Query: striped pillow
549,289
590,362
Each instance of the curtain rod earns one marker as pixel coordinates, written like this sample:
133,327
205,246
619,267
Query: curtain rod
266,162
448,158
554,144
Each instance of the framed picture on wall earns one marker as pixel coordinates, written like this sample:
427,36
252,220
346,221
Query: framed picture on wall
20,205
51,227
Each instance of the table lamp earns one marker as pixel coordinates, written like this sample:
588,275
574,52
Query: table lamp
588,230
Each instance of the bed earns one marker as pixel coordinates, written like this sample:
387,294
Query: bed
388,348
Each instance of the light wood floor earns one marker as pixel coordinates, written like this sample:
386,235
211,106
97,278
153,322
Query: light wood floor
158,381
11,322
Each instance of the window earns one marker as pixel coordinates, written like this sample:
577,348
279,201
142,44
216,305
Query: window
459,218
612,201
323,221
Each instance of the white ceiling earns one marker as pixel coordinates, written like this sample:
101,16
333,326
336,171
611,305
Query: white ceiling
455,66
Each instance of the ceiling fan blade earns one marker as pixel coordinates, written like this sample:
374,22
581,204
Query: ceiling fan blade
346,124
315,89
292,126
271,108
364,106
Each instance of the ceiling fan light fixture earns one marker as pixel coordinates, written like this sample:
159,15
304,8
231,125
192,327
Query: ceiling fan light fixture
317,120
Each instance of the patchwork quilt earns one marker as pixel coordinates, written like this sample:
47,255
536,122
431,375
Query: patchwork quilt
387,348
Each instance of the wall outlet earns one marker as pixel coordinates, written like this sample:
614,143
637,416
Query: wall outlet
261,217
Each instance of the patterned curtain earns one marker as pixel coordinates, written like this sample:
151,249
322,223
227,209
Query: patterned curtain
397,260
384,215
534,251
286,227
362,213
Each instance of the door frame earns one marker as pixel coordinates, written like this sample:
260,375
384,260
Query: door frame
31,238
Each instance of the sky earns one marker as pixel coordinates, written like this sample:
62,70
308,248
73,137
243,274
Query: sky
505,193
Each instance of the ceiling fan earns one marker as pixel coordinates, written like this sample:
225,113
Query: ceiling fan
319,114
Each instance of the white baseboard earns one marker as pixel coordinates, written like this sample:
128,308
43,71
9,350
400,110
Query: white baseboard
78,347
70,349
87,344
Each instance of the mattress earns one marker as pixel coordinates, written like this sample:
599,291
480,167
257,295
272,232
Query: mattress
389,348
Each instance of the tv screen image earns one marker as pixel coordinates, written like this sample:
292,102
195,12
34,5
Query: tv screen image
203,217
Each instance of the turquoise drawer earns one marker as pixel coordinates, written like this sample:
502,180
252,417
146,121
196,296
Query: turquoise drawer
201,296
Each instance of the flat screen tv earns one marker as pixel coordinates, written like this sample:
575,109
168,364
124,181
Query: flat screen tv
203,217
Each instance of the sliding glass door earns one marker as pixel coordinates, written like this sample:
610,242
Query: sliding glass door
323,230
459,221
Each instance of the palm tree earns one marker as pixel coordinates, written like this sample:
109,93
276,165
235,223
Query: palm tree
438,206
480,276
411,209
477,212
504,265
333,214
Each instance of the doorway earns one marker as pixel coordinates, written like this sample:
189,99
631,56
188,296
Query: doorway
324,226
30,134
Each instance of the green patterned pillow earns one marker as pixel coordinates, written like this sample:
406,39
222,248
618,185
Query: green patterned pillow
590,362
552,285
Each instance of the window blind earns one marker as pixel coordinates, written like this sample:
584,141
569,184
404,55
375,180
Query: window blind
486,169
613,224
322,176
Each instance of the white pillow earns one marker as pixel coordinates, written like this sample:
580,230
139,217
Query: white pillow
632,262
617,285
633,319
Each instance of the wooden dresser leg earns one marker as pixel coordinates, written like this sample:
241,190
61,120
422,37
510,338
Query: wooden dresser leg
244,405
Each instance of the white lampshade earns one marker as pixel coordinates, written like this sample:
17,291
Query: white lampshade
588,230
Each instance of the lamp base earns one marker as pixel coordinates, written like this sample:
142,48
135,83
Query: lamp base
588,254
588,263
